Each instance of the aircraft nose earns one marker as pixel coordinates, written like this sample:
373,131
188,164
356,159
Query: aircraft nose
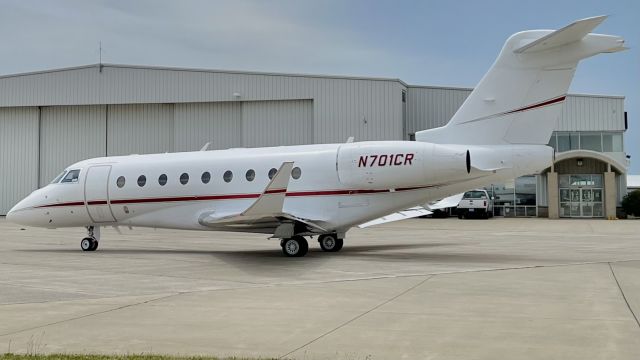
20,213
12,215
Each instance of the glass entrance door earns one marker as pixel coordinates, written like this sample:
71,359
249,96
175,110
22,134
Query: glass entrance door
581,196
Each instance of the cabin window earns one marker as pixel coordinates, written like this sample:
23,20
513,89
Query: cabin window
120,181
184,178
272,173
57,179
206,177
250,175
296,173
162,180
142,180
71,177
228,176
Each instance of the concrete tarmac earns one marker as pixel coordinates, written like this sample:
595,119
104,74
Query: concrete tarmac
417,289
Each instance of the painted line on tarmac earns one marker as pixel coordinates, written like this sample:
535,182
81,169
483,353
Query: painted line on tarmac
623,295
357,317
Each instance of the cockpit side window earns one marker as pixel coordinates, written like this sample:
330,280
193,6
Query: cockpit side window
57,179
71,177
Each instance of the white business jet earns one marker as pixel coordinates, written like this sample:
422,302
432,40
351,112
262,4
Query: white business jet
293,192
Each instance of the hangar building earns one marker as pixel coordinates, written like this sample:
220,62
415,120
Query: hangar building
50,119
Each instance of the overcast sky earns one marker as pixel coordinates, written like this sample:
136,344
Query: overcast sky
421,42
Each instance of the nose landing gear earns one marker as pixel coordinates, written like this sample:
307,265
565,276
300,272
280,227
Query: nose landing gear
90,243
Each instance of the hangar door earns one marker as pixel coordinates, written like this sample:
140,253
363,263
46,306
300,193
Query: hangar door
18,155
217,123
139,129
69,134
274,123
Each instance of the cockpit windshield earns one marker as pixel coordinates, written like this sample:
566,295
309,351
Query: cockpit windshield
57,179
71,177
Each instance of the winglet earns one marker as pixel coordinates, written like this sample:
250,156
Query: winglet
272,198
568,34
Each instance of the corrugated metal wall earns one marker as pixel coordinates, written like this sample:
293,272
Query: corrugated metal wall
196,124
70,134
592,113
429,107
18,155
367,108
140,129
276,123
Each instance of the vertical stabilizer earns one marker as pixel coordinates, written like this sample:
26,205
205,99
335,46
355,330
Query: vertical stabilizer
519,100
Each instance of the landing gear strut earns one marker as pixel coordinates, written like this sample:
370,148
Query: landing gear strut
296,246
90,243
330,242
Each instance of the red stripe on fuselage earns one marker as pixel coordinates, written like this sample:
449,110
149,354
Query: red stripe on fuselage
236,196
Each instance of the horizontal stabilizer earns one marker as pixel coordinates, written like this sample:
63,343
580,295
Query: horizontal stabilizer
568,34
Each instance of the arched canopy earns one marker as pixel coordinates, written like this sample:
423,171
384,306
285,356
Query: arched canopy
616,165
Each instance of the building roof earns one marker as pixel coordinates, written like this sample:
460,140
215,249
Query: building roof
264,73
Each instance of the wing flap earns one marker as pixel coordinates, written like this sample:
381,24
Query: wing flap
397,216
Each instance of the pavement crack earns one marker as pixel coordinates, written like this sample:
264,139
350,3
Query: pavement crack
623,295
91,314
357,317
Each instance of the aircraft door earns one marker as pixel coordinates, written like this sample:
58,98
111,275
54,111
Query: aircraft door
96,194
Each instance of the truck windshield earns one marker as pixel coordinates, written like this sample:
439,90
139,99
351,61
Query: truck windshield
475,195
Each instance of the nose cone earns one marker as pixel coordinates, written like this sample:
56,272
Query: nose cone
18,214
24,212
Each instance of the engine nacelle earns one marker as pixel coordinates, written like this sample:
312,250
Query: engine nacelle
390,165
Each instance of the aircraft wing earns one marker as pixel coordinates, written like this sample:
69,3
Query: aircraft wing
397,216
416,211
447,202
266,213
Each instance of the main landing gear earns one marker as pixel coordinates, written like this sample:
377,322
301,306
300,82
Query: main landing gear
90,243
330,242
298,246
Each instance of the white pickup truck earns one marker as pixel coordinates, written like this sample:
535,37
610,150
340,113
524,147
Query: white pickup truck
475,203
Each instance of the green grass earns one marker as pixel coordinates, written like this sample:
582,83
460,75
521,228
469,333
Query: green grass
112,357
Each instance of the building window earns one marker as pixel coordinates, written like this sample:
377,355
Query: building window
120,181
296,173
206,177
567,142
404,96
612,142
250,175
591,142
142,180
272,173
228,176
552,142
162,179
184,178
